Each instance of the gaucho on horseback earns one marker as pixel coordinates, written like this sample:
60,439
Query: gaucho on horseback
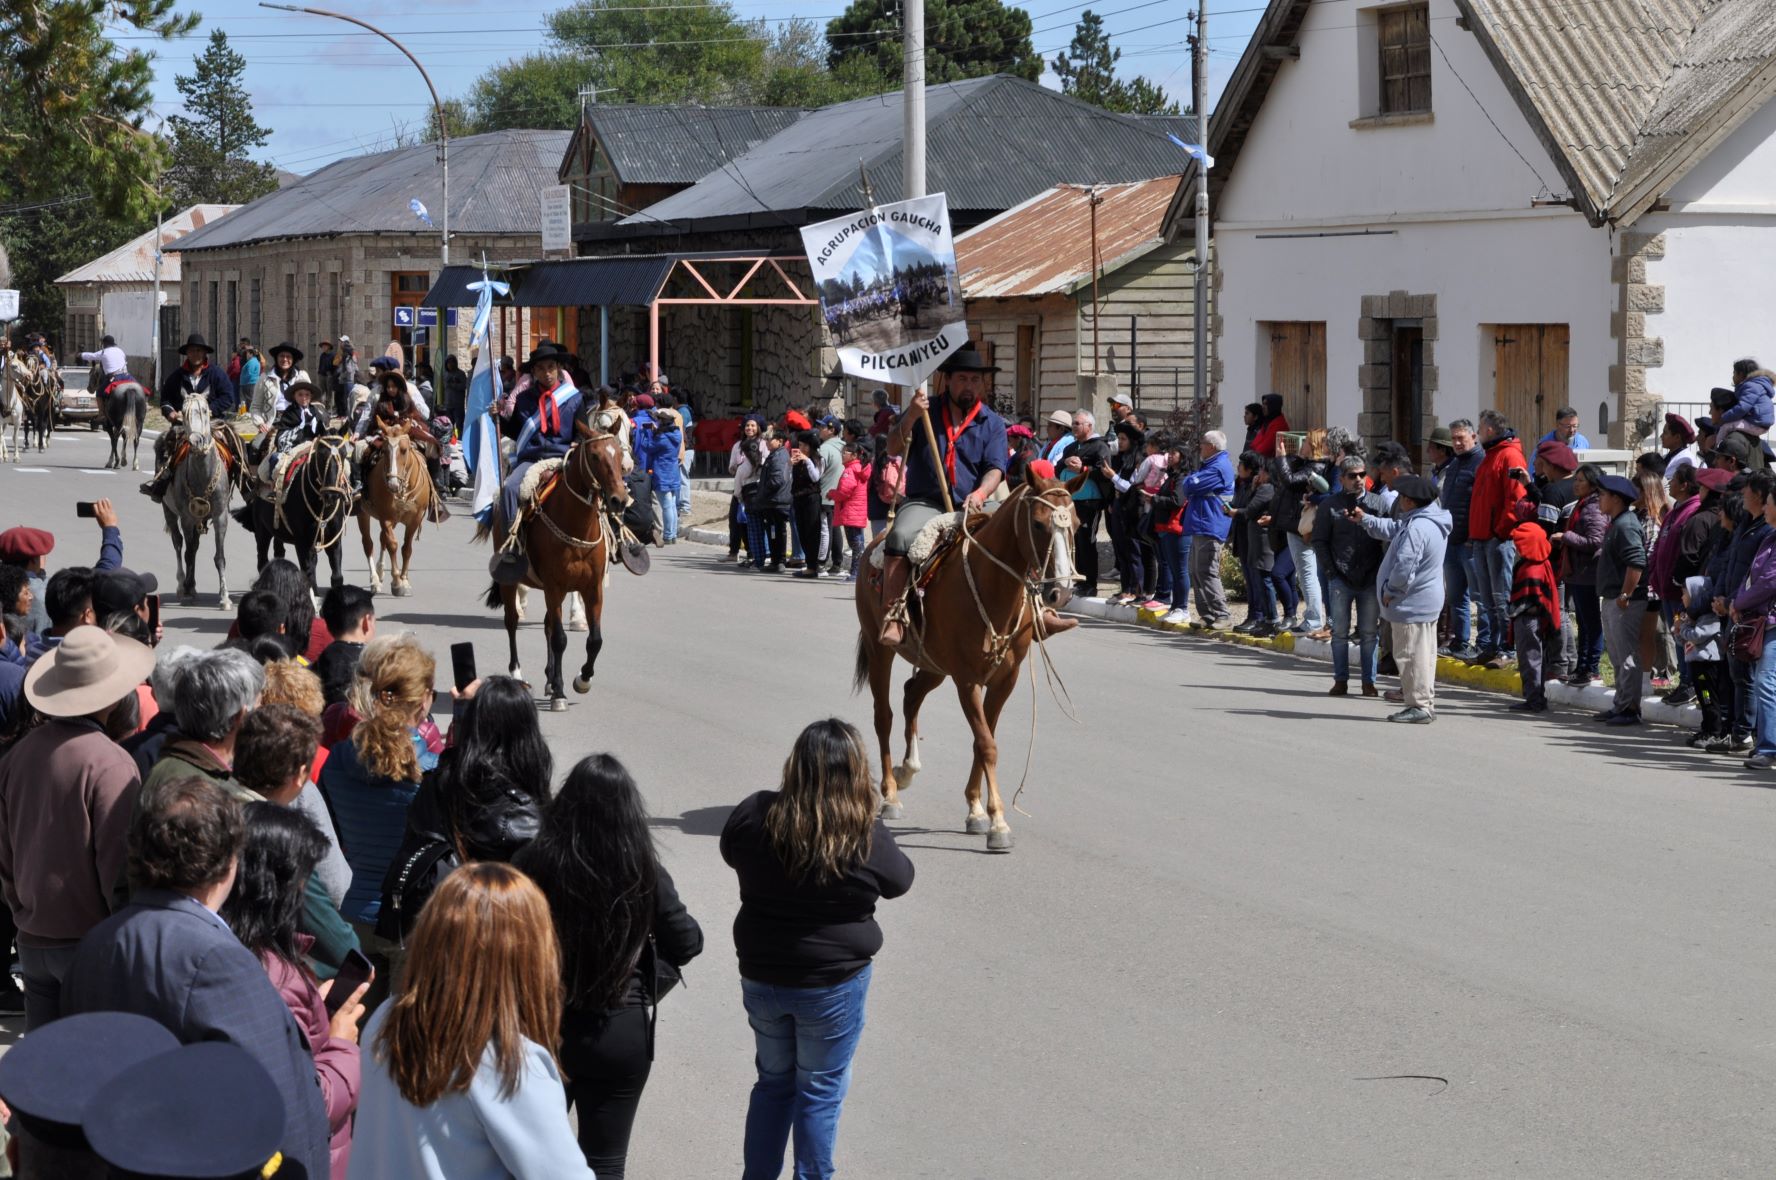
396,404
299,422
547,434
197,375
971,445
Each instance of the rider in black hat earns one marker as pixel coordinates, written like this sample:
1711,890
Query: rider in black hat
970,445
200,376
272,393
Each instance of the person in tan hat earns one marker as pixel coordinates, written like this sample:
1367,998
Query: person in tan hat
66,793
1060,433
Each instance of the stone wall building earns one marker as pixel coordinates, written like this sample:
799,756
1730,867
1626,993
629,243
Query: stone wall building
341,252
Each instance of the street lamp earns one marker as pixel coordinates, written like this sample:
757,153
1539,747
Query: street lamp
438,107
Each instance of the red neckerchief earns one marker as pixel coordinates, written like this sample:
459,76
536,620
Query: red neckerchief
951,432
548,413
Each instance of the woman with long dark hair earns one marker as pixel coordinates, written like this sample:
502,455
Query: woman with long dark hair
624,935
813,860
304,635
264,909
484,801
460,1082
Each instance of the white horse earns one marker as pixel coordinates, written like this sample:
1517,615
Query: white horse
12,407
197,501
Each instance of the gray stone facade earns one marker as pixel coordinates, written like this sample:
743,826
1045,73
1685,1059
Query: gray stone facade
1636,352
1375,375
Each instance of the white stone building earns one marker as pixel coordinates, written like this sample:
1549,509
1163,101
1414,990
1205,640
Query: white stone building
1427,209
113,295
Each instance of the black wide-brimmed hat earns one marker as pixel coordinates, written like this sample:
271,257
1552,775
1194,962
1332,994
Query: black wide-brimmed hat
967,359
548,350
195,341
286,346
308,385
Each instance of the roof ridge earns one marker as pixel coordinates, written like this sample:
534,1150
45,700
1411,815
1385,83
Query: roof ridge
1646,115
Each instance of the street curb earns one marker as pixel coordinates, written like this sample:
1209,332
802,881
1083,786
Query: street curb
1593,698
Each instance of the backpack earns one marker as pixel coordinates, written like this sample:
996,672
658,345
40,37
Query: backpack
409,884
888,480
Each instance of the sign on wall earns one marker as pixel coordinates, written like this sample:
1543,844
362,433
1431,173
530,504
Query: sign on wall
9,305
888,288
422,317
557,219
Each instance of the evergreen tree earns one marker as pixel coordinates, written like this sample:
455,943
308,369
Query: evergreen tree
211,140
1087,71
963,39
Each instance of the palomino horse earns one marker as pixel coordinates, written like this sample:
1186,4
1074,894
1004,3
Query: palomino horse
980,613
197,499
39,393
570,540
397,491
315,513
124,410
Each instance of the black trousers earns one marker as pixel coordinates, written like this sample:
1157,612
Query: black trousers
607,1059
736,530
1085,543
807,528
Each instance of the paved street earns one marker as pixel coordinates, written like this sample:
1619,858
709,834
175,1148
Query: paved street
1237,911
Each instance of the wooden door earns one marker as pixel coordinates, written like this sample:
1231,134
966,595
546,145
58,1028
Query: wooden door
1529,374
1298,370
1026,369
1406,377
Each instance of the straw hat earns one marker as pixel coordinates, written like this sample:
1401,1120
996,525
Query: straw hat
89,670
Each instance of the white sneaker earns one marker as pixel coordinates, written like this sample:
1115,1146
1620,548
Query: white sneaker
1178,616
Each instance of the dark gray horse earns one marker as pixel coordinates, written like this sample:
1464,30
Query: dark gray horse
39,395
315,511
124,408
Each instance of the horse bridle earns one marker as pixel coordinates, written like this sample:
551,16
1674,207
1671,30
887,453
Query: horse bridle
1033,577
579,462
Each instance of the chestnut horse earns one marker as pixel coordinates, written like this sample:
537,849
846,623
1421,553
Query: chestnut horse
397,491
570,541
980,613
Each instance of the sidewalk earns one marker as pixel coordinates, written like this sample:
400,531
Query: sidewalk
1593,698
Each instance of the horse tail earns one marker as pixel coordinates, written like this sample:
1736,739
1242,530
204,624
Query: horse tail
243,516
861,670
496,596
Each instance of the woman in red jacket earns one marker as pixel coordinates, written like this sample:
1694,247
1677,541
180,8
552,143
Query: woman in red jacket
1265,441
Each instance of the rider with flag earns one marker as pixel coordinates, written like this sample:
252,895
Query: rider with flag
971,446
549,432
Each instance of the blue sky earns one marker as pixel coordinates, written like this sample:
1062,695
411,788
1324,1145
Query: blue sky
328,90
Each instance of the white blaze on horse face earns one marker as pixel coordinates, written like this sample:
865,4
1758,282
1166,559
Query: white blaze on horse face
1061,541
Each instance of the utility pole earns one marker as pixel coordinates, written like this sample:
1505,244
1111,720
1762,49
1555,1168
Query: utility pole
154,313
1199,59
912,132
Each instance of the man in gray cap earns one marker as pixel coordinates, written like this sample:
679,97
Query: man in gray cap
1621,568
1409,585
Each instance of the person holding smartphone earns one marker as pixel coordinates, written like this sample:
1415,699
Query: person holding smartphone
282,848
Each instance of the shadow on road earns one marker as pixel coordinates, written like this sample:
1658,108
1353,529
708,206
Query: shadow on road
699,821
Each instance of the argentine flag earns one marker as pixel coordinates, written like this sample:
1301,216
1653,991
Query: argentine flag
481,435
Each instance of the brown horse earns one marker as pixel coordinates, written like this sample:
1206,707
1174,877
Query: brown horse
397,491
980,612
570,541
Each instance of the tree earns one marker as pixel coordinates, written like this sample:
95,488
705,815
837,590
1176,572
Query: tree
72,103
540,90
1087,71
210,142
963,39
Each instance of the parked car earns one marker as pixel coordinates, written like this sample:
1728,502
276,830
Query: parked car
77,405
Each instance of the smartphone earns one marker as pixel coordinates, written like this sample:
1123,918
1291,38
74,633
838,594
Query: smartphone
462,661
153,613
353,973
86,509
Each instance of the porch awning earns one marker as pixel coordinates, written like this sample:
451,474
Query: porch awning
627,281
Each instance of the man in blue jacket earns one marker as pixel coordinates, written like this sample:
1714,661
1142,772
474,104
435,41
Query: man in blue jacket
1206,524
549,432
1458,458
1410,587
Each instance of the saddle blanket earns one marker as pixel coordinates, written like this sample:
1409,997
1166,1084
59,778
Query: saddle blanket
284,472
541,474
939,533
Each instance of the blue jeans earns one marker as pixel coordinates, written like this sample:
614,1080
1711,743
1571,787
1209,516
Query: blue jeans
684,496
1670,607
1455,593
1307,575
805,1039
1260,595
1368,609
1473,558
1489,578
1174,556
667,499
1763,701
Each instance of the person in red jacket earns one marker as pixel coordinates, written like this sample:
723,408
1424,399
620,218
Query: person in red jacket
850,503
1273,424
1491,517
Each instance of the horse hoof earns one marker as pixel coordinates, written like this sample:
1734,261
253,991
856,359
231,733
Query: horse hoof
557,704
903,775
978,825
892,810
999,840
582,685
225,604
402,590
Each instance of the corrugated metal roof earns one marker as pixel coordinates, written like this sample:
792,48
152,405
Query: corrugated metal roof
133,262
1623,91
990,143
626,281
681,144
495,183
1044,246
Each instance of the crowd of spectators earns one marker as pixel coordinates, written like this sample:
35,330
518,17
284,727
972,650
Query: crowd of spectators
264,881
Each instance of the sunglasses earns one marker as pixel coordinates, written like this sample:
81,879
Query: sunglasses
1355,474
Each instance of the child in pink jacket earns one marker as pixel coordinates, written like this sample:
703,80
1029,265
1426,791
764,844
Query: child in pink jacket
850,503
